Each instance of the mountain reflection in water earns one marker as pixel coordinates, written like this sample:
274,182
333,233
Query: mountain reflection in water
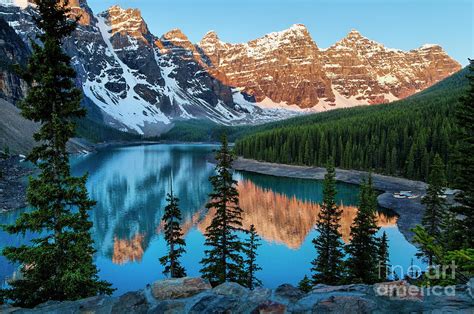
130,186
277,217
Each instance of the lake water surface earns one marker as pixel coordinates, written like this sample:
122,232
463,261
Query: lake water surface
130,185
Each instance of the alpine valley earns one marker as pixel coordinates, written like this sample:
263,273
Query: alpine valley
137,82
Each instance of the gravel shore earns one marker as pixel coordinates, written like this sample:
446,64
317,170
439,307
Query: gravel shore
410,211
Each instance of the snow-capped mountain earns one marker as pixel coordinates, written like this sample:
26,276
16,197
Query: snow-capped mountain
136,81
288,68
364,71
139,82
281,68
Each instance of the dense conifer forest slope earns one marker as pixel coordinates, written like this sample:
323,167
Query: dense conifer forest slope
398,139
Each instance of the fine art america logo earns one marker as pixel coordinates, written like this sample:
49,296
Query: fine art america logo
404,290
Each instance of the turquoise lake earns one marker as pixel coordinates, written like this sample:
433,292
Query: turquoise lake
130,185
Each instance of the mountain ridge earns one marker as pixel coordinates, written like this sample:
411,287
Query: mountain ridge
137,82
399,139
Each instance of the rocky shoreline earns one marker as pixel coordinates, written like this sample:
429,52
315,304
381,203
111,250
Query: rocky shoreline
195,295
410,211
13,183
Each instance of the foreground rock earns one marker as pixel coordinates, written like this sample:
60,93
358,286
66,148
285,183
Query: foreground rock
195,295
179,288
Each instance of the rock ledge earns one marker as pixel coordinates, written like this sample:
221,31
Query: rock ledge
195,295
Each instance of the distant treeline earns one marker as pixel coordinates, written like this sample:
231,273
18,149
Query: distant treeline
97,132
399,139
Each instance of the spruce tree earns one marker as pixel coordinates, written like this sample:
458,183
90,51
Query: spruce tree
250,247
305,284
450,231
173,237
465,163
383,258
435,205
58,263
328,265
223,259
363,249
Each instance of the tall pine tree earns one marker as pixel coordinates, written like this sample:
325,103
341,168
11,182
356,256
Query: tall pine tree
362,263
173,237
58,262
328,265
465,163
251,267
223,259
435,205
383,258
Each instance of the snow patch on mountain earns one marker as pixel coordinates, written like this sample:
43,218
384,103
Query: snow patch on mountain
129,109
17,3
266,110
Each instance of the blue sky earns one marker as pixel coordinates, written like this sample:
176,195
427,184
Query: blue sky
403,24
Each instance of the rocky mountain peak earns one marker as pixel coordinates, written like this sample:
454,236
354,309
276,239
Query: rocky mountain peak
355,38
432,47
365,71
295,29
176,41
211,44
126,22
118,10
175,35
210,39
210,35
354,34
298,28
280,68
81,8
296,33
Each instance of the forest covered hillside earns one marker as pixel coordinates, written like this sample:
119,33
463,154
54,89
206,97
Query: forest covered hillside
399,139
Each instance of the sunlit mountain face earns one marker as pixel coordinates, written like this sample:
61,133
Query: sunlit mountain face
130,186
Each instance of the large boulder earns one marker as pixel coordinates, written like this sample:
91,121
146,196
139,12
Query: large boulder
320,288
259,295
345,304
257,298
131,302
270,307
169,307
98,304
288,294
214,304
231,289
178,288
